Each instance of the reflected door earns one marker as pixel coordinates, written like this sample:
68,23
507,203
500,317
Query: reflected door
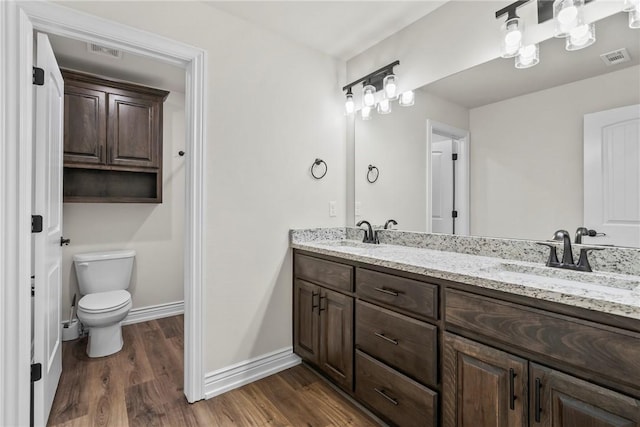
612,176
442,190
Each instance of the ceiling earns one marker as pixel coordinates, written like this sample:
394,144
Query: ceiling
341,29
497,80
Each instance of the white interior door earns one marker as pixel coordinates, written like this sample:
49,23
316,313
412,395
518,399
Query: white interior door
612,176
442,186
49,104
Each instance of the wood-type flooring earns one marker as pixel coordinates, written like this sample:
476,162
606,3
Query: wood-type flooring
142,386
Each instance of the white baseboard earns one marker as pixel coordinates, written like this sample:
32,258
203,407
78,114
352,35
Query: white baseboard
151,312
231,377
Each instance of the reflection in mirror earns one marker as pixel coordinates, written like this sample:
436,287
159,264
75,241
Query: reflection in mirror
534,154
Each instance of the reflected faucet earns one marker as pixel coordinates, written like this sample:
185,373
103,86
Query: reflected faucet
387,225
567,253
370,236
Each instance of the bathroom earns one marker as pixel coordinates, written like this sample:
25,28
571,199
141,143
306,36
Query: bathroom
262,134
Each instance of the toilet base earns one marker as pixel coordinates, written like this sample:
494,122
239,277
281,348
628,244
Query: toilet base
104,341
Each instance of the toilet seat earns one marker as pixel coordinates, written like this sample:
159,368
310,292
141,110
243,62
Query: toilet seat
103,302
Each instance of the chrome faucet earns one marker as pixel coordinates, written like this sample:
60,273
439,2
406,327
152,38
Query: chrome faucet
370,235
567,255
387,225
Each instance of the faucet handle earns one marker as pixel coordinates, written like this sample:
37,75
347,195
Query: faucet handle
583,261
553,254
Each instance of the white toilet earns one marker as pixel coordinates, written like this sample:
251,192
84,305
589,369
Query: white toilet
103,278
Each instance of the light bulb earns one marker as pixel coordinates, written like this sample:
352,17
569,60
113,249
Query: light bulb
349,105
512,37
528,56
384,106
581,37
567,15
634,17
390,84
369,96
365,113
407,98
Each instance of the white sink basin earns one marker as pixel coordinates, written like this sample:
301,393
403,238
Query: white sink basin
592,282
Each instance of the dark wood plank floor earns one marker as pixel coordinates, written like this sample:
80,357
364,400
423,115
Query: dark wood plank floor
142,386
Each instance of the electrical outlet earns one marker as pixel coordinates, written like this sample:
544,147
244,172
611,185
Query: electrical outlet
332,208
358,208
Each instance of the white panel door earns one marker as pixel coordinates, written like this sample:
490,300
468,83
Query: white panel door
442,186
612,176
49,108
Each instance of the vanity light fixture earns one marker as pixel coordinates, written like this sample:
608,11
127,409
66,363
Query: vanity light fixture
349,104
512,31
567,15
384,81
633,7
406,99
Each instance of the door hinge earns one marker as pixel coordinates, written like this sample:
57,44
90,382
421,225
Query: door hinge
36,372
454,156
454,214
38,76
36,223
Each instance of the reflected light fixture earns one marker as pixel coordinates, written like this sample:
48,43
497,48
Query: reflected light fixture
633,7
528,56
512,41
567,15
406,99
581,37
384,81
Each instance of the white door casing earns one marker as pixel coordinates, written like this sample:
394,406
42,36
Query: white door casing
442,186
49,110
612,176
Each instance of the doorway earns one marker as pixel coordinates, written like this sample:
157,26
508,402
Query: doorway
55,19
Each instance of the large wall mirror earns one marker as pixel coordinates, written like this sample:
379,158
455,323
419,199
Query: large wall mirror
550,147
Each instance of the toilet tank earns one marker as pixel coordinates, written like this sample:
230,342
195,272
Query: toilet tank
103,271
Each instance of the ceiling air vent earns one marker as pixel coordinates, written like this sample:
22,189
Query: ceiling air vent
616,57
104,51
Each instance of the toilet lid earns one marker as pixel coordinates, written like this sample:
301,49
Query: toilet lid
104,301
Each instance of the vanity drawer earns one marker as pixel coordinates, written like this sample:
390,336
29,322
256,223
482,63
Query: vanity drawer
411,296
406,344
326,273
602,350
395,397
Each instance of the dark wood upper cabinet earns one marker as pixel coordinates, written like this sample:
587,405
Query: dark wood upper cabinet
115,128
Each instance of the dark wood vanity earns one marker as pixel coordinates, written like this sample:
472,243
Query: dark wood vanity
420,351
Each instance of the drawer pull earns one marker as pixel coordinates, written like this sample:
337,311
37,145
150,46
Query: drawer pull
391,340
387,291
383,394
537,404
512,393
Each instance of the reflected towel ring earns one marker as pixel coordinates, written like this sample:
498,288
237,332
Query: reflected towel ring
317,162
372,176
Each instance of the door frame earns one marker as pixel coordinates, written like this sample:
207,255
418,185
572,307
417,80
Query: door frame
462,173
17,22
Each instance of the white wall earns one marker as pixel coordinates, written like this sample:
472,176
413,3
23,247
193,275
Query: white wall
527,155
155,231
396,144
273,107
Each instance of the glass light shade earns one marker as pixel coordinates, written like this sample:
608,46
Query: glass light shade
629,5
390,84
567,15
365,113
512,32
369,96
349,105
528,56
407,98
384,106
581,37
634,18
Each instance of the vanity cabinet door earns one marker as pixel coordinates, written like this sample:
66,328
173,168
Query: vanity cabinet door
336,337
561,400
306,332
482,386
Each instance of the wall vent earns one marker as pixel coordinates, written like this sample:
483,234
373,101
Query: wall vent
616,57
104,51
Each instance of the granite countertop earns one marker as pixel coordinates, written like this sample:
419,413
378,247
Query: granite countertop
611,293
